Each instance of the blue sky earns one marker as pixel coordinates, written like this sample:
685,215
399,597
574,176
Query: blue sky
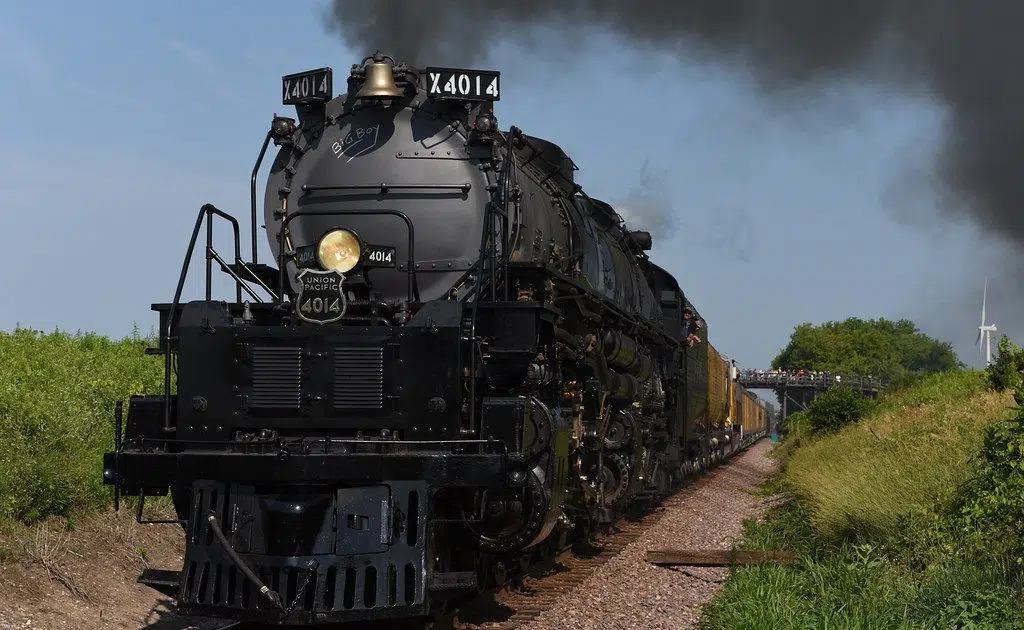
123,118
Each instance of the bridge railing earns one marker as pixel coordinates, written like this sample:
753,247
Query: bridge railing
768,380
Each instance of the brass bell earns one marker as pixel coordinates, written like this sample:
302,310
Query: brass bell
379,82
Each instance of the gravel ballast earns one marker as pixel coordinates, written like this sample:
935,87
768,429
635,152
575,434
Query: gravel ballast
627,592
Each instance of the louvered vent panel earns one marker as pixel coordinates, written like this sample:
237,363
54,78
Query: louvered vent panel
358,378
276,378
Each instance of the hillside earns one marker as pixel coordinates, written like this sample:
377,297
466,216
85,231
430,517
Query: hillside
890,519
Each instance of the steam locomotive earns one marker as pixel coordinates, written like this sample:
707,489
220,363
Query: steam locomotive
458,363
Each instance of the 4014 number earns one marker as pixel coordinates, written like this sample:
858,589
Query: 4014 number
321,306
458,83
386,256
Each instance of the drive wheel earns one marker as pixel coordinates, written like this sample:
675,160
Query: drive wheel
621,429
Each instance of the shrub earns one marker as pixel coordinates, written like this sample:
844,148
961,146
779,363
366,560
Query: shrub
1007,370
989,509
835,408
57,395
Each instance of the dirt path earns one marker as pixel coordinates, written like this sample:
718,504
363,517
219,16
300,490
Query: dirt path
85,578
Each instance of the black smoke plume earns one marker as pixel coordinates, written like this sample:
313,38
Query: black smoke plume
967,54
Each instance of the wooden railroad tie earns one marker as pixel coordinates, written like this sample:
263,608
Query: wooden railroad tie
716,557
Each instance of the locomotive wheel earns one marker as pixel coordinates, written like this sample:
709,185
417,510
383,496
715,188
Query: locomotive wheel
620,431
511,521
615,475
541,432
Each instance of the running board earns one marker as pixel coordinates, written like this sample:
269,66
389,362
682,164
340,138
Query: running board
161,580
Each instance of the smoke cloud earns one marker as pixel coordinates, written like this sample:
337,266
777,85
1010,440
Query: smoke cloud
648,205
965,55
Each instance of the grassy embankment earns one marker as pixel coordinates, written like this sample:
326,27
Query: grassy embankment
909,517
57,396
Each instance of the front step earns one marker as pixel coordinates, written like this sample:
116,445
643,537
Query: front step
161,580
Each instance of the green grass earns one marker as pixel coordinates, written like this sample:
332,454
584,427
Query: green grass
913,451
57,396
868,518
852,587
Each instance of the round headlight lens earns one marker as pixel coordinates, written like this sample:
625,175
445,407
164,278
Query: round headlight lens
339,250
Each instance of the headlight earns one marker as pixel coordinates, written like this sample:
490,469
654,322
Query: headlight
339,250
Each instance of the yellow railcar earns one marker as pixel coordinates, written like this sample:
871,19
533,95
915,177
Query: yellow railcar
741,406
733,414
718,388
752,403
749,411
757,415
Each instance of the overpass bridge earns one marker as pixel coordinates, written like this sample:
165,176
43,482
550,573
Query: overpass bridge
797,391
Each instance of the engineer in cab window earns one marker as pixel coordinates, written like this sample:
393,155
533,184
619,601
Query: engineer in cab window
690,327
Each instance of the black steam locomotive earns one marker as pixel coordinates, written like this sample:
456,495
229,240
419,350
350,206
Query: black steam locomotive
458,364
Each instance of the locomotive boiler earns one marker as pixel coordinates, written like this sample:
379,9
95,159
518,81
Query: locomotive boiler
458,363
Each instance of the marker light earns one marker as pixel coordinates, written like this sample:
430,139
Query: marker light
339,250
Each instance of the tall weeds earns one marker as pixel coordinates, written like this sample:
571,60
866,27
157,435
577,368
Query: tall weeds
57,394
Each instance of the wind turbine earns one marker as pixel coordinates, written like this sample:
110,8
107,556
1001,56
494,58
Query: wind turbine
985,329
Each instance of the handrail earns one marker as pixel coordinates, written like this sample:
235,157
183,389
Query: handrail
238,280
252,190
413,292
207,211
170,315
210,212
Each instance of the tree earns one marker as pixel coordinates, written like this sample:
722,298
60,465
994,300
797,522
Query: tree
879,347
835,408
1007,371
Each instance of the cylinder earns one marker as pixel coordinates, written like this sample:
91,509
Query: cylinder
619,349
622,385
622,353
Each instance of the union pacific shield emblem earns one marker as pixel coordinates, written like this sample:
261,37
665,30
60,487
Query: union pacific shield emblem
321,300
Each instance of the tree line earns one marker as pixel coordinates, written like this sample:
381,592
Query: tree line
891,350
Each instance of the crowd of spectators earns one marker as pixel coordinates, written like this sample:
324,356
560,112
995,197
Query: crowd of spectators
692,326
802,377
